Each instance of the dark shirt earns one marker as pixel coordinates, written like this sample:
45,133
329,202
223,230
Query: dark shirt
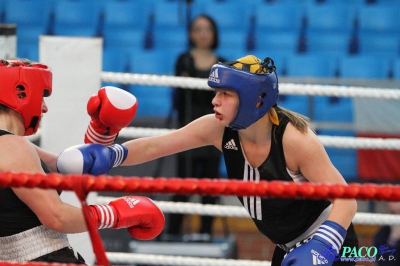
16,216
281,220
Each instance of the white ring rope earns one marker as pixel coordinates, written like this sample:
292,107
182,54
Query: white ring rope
238,211
128,258
328,141
284,88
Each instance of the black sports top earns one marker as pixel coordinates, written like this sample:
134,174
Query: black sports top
281,220
16,216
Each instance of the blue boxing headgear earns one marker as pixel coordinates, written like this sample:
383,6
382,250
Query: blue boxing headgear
256,84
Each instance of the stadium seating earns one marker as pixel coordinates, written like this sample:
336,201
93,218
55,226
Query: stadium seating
345,160
115,60
332,109
233,39
77,18
296,103
364,67
381,44
156,100
125,23
379,19
126,13
2,10
125,38
231,53
279,17
169,14
331,44
324,18
169,38
396,69
229,14
288,42
32,18
311,65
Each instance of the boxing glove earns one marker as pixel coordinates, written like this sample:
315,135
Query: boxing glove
93,159
142,218
322,248
111,109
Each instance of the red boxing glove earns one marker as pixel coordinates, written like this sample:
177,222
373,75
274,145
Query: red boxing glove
143,219
110,110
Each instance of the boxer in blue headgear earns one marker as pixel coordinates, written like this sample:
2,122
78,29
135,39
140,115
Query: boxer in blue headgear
261,141
254,81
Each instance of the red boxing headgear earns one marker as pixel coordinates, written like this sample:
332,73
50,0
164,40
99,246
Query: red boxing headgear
23,84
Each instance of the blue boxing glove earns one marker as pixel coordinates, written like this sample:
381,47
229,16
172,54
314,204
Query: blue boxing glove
323,248
94,159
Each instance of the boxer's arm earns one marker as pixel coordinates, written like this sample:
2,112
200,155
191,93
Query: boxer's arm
49,158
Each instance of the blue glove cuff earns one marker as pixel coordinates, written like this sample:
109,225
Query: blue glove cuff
121,152
332,234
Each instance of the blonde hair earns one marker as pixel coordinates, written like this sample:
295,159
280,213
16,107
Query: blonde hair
299,121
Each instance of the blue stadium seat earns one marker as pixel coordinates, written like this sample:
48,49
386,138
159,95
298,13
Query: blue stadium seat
279,17
229,14
153,100
285,41
169,38
198,7
231,53
127,14
169,14
233,38
125,38
345,160
2,10
28,50
154,61
396,69
354,4
323,18
364,67
296,103
329,43
311,65
385,44
115,60
379,19
333,109
32,18
77,18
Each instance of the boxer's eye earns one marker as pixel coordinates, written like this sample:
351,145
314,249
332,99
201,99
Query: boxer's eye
21,92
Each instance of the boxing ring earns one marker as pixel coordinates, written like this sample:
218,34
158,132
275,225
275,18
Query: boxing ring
85,186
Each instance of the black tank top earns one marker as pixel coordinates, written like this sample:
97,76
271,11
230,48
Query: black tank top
281,220
16,216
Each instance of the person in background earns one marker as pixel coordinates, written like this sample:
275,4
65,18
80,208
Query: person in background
260,141
34,222
190,105
387,240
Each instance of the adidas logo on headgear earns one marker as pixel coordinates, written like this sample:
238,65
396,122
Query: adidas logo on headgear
214,76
